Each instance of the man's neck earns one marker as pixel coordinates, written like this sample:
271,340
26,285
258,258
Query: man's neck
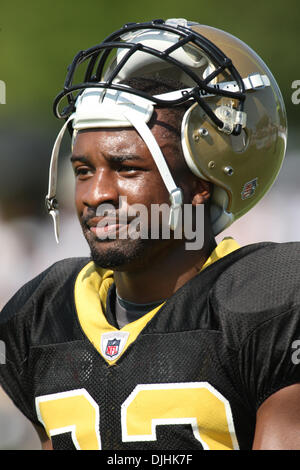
164,275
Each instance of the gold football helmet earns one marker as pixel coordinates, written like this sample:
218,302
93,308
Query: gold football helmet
233,133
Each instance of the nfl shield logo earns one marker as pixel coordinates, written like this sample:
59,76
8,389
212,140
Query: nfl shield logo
112,344
249,189
112,347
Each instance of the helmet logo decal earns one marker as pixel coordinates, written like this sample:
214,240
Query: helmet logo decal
249,189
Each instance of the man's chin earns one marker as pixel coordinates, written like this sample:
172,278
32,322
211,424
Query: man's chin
123,254
117,255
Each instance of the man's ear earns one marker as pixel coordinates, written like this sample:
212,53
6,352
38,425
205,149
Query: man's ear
202,191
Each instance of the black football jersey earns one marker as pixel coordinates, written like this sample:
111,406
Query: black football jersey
188,375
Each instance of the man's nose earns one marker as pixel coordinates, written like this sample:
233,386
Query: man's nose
102,188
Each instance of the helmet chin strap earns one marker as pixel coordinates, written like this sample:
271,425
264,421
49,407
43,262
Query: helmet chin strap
132,119
174,192
51,200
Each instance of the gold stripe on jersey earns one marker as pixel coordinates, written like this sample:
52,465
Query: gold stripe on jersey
91,288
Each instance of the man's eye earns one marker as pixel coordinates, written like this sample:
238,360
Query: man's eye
128,169
81,171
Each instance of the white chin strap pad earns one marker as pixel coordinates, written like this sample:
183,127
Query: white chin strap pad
100,108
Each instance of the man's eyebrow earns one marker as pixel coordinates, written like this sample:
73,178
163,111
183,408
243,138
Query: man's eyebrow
123,158
109,157
79,158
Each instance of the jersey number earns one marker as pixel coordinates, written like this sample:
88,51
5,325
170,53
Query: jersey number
195,403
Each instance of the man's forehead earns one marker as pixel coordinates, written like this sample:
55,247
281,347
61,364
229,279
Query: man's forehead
116,140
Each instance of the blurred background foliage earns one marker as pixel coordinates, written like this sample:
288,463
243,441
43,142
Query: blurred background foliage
38,40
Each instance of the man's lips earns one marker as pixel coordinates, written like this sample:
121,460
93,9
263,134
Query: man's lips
101,221
107,229
105,226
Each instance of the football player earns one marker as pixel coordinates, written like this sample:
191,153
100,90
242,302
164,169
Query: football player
154,343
